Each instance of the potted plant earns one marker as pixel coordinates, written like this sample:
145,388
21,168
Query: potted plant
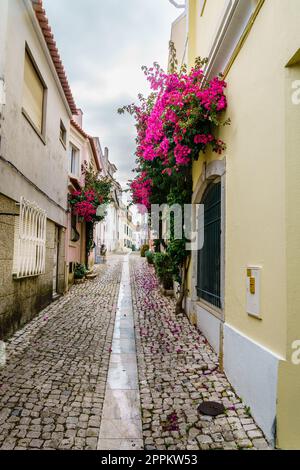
164,272
144,248
79,273
150,257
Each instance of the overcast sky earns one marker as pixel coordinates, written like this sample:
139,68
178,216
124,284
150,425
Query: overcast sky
103,44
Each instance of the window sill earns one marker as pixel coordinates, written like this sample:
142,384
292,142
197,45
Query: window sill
21,278
215,311
39,134
74,177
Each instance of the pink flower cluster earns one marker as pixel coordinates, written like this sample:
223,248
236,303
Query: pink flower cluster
141,188
203,138
85,209
213,96
183,103
181,153
85,204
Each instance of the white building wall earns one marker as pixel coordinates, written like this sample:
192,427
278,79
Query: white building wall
20,145
253,371
107,230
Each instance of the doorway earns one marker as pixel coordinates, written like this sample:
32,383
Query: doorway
55,262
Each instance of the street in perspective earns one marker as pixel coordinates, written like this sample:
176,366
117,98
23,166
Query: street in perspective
149,229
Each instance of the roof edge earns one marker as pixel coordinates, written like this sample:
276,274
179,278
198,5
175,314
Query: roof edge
53,50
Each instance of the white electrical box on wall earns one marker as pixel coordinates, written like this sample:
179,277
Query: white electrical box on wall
253,290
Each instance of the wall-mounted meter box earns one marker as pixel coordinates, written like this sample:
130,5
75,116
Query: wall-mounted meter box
253,291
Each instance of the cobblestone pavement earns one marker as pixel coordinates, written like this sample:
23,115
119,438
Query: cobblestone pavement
177,370
52,388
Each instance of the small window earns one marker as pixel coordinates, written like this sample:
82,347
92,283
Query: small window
74,161
33,94
63,133
30,241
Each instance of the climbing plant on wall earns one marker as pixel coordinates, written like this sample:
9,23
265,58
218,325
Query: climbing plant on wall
175,123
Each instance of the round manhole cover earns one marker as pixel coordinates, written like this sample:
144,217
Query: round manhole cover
211,408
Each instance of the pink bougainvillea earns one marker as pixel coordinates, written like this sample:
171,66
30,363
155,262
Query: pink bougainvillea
141,187
84,204
176,123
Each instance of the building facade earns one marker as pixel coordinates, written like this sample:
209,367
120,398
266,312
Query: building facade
36,108
246,298
108,231
81,152
127,230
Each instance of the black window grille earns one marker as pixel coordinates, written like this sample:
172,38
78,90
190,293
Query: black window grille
209,257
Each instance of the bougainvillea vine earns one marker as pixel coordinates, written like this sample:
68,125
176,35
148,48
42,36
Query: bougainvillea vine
177,122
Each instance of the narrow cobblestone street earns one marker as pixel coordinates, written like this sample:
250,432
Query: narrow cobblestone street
63,364
52,388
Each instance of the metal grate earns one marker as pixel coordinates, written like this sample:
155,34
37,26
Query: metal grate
209,258
211,408
30,240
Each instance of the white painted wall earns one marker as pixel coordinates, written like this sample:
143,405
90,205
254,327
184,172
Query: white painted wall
107,230
3,41
210,327
45,165
252,370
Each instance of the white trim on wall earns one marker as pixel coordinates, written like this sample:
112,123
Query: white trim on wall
232,24
211,171
253,370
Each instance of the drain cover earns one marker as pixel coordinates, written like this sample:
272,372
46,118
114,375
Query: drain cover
211,408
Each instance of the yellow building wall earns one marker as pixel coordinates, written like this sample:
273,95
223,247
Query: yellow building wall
262,188
255,186
202,16
255,206
288,418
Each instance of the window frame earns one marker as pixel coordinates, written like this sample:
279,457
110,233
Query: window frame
63,139
77,150
208,296
29,257
41,134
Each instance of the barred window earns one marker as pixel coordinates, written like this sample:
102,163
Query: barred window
209,258
30,240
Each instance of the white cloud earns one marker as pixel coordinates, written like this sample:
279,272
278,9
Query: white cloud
103,45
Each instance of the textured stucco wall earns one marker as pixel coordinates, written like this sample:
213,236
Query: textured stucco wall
20,144
21,300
